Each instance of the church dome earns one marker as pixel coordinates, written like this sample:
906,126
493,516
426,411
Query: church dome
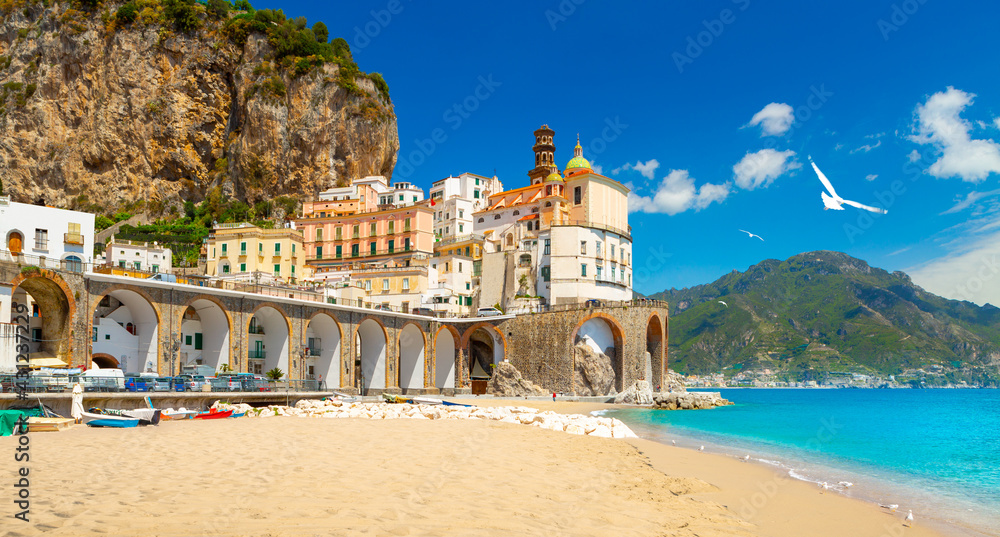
554,176
577,163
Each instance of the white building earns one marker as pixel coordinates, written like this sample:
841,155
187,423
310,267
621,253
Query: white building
46,236
367,193
138,256
454,199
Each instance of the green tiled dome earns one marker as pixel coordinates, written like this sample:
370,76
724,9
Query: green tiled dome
554,176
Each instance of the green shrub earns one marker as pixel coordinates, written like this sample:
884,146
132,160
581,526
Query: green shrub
218,9
183,14
127,13
320,32
380,84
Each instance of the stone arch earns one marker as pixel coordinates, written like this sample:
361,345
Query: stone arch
446,357
411,344
104,360
655,348
270,344
482,353
216,326
611,339
327,337
136,352
371,341
57,309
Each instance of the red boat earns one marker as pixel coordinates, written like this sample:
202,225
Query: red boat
213,415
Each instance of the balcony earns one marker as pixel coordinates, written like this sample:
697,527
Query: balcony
73,238
314,352
255,354
256,330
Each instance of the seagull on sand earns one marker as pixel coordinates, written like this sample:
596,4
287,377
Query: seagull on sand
723,303
909,519
892,507
746,458
752,235
826,487
702,448
673,442
834,201
846,484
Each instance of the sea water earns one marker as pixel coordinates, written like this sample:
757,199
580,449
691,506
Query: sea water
936,452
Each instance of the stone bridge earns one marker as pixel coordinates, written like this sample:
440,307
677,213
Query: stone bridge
354,349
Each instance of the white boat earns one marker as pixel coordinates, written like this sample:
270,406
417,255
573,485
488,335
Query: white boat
427,401
108,420
180,414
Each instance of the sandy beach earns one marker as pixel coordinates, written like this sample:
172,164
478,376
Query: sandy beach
286,476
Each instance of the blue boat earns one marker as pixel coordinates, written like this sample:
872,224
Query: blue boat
105,420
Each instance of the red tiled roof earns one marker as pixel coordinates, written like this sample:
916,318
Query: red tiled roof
527,217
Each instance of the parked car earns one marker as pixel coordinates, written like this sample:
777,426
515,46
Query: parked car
488,312
193,383
593,303
261,383
158,384
383,307
225,384
422,311
245,380
178,384
136,384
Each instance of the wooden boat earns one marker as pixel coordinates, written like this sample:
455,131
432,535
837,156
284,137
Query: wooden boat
147,416
182,414
108,420
37,425
214,415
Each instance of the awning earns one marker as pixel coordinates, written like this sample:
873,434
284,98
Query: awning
527,217
44,361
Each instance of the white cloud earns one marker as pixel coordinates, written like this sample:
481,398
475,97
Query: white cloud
901,250
598,169
774,119
676,194
914,155
867,147
871,177
838,147
996,122
647,169
763,167
969,199
972,274
939,124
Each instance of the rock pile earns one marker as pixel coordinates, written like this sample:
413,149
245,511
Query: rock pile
689,400
508,382
333,408
638,394
593,374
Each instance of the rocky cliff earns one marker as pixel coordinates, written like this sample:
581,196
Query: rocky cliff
98,112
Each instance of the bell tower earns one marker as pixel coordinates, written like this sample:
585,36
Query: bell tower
545,151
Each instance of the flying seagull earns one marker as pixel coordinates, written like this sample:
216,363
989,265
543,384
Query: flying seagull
752,235
723,303
833,201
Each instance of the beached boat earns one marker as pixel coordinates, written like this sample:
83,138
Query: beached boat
238,414
427,401
180,414
214,415
37,425
449,403
147,416
109,420
345,398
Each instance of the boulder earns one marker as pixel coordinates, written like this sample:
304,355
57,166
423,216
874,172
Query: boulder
638,394
689,400
507,382
593,374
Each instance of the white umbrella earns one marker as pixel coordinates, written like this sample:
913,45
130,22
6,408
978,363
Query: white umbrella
77,408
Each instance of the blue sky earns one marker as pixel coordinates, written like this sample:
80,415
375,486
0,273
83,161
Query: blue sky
896,102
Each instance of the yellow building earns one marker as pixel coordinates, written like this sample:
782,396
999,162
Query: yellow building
245,252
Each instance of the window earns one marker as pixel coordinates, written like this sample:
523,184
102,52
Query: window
546,273
197,341
406,244
623,274
243,248
447,267
224,248
392,226
477,182
598,248
385,284
225,269
277,269
583,247
516,212
460,266
481,220
277,248
406,225
355,250
612,251
138,265
293,248
496,217
600,268
583,270
461,213
447,216
577,195
406,286
260,248
466,251
293,270
534,210
188,340
121,264
156,268
42,239
467,286
372,247
373,229
548,243
400,197
475,194
414,199
243,267
355,233
319,252
368,285
392,246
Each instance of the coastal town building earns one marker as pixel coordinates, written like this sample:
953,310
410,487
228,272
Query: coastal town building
248,253
46,236
382,249
141,256
564,238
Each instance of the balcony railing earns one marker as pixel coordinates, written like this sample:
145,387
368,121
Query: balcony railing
255,354
594,225
256,330
314,352
369,253
73,238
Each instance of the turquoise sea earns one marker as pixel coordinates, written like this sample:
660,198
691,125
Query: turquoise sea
936,452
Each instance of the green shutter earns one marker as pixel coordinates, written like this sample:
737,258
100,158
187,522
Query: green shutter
197,340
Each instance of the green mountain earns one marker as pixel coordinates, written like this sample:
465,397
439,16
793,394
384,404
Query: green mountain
823,314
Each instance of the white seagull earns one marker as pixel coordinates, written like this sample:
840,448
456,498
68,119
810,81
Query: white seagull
752,235
846,484
673,442
892,507
909,519
746,458
834,201
723,303
702,448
